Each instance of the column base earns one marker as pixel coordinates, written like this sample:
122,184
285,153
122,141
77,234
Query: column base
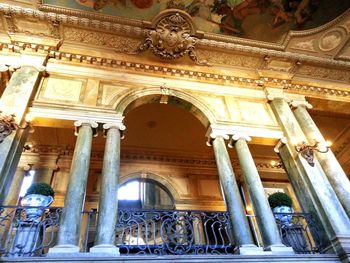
341,244
63,250
104,250
280,250
249,250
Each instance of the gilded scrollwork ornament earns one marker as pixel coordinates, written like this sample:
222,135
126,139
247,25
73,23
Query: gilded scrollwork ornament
172,37
7,125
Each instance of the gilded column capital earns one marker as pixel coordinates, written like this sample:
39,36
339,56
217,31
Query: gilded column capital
280,143
215,132
298,100
236,136
117,125
275,93
114,125
90,123
3,68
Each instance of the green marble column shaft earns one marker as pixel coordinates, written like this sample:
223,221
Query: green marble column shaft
264,215
108,204
321,198
74,200
15,100
329,163
240,225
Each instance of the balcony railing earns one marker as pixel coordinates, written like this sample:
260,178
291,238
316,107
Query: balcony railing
155,232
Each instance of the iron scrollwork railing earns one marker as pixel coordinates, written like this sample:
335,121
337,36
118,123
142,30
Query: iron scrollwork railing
20,236
148,232
173,232
299,231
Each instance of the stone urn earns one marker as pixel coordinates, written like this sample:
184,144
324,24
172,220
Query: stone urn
283,214
36,205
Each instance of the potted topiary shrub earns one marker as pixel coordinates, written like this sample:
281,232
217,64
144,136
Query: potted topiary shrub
38,196
281,205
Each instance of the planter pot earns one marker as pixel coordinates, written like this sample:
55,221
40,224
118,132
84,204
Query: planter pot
283,214
39,203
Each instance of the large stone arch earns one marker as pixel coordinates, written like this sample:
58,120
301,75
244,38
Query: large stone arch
142,175
180,99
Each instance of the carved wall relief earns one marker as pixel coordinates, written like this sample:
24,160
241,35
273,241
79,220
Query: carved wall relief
172,37
118,43
62,89
330,40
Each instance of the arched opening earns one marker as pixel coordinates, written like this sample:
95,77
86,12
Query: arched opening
169,139
169,97
144,193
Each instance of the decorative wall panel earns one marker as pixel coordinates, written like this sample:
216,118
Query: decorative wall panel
62,89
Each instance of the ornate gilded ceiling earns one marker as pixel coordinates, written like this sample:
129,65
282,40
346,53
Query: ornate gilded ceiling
264,20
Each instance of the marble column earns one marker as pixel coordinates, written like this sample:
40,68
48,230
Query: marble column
240,226
264,216
310,183
329,163
68,234
15,100
108,204
15,188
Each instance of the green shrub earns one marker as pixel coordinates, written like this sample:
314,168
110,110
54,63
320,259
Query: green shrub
41,189
279,199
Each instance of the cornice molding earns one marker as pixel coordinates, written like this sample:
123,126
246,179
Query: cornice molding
206,43
137,28
201,76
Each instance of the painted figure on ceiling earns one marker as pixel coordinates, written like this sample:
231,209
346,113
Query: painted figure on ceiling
234,12
100,4
293,11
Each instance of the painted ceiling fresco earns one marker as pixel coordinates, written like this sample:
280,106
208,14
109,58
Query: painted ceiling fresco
265,20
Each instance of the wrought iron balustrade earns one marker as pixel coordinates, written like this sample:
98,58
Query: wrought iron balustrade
299,231
173,232
157,232
20,236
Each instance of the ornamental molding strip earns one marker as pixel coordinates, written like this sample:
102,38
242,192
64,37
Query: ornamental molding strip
173,35
202,76
139,29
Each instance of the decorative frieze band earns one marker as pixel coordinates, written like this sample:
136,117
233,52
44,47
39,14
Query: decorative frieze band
132,156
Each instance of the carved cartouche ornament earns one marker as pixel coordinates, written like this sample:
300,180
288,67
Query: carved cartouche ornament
171,38
7,125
